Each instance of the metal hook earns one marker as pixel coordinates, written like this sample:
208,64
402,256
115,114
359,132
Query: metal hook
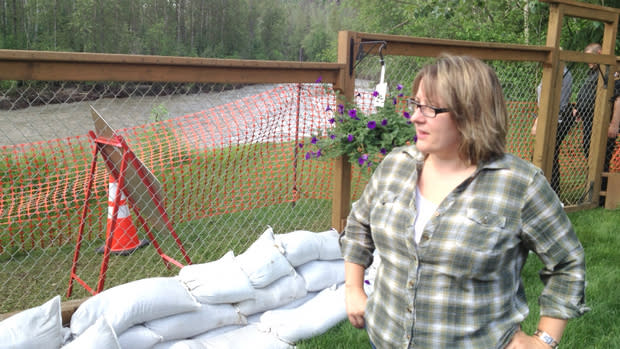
361,54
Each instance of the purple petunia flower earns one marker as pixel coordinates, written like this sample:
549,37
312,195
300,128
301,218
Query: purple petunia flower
340,109
406,114
301,145
401,95
362,159
319,79
394,101
314,140
353,114
332,136
415,138
332,120
399,87
350,138
383,151
372,124
384,122
309,155
375,93
328,108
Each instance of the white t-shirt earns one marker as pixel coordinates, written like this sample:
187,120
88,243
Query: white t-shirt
425,210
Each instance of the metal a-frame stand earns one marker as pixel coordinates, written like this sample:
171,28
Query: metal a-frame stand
132,176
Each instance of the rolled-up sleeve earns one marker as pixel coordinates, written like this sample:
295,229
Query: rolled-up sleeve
356,242
550,234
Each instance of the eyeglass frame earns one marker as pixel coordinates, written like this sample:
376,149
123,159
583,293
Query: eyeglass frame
419,105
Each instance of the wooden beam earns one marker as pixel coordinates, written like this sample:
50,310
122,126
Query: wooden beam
341,200
425,47
69,66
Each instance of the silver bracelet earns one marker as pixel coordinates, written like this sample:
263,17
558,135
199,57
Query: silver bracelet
546,338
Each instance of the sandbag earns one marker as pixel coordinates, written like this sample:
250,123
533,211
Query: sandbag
138,337
180,344
302,246
319,274
37,328
100,335
263,262
329,247
245,337
217,331
370,273
189,324
133,303
217,282
299,246
311,319
282,291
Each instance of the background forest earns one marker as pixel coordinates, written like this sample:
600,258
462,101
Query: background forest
270,29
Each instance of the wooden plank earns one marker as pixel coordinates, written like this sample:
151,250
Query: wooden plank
64,66
425,47
612,192
341,200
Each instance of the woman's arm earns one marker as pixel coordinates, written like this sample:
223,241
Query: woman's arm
355,296
552,327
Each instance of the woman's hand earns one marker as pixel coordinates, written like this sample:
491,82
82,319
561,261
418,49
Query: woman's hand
522,340
355,300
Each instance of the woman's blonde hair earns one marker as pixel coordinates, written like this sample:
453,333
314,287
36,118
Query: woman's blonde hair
470,89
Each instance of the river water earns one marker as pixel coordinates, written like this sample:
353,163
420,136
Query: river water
54,121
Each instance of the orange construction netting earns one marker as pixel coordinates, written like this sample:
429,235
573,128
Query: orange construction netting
234,157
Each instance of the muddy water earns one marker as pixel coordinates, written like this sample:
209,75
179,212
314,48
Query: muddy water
54,121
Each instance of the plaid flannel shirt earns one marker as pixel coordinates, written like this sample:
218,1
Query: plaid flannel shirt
460,287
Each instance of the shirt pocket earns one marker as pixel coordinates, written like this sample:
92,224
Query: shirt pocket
483,230
390,215
474,248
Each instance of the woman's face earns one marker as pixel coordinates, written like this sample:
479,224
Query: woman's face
435,136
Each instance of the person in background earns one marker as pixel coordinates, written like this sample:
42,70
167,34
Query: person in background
452,219
584,109
584,105
614,125
566,121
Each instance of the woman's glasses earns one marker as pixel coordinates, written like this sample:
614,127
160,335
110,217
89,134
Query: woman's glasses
427,110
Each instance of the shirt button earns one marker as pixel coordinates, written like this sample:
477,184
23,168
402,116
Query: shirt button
410,284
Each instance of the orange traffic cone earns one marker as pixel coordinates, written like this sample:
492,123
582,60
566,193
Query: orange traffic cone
125,238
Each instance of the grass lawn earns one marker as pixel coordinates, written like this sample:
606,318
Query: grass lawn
599,232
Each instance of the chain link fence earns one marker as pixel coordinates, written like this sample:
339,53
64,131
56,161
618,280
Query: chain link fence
223,160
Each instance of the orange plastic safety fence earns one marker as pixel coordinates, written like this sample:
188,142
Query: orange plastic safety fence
234,157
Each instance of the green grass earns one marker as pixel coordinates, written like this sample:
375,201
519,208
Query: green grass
598,232
206,239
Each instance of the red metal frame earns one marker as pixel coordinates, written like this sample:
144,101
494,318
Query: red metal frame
128,157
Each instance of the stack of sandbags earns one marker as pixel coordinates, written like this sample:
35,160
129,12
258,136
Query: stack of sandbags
130,305
282,272
282,289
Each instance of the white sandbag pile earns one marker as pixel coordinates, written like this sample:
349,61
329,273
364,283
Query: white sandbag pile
284,288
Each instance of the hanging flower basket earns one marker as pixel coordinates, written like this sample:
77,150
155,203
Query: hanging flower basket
364,138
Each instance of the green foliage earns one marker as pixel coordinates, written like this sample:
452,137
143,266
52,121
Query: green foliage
159,113
272,29
364,138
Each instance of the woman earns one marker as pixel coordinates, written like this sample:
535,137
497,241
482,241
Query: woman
453,219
